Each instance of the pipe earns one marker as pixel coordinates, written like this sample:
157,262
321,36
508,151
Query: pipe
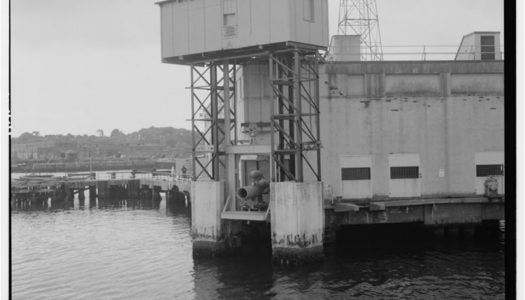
259,186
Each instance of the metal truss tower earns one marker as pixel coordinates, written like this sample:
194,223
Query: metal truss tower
213,117
295,134
296,141
360,17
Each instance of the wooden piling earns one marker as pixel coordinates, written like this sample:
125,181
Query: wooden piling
133,189
103,190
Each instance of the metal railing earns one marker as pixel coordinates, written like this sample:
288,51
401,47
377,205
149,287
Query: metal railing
433,52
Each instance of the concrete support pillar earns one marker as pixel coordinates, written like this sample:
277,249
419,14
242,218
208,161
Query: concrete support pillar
445,84
297,221
206,223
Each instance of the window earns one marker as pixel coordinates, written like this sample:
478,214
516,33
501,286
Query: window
404,172
230,12
488,48
309,11
355,173
489,170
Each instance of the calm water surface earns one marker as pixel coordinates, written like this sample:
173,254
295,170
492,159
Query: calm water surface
131,253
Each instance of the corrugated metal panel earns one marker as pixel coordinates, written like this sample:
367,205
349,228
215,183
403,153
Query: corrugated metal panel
212,25
196,14
166,19
180,28
260,15
279,19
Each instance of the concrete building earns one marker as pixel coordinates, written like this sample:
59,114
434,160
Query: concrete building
401,129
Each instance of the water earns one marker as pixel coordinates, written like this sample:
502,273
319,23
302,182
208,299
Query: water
130,253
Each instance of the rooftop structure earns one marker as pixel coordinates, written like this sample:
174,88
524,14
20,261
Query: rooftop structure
480,45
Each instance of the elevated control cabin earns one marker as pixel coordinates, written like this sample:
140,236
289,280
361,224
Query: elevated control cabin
204,30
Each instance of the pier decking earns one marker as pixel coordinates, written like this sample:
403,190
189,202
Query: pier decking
36,190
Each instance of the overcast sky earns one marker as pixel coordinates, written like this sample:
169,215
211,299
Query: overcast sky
81,65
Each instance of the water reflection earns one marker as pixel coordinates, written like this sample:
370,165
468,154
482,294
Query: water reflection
410,264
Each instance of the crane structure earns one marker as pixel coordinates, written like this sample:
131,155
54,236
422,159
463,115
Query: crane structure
360,17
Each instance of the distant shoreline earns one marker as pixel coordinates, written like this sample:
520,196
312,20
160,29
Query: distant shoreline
84,166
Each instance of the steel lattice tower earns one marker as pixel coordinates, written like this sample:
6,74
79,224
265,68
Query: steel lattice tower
360,17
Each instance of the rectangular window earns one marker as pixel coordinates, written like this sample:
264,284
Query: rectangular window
489,170
488,47
309,11
229,10
404,172
355,173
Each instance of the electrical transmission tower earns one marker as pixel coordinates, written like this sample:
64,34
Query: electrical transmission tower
359,17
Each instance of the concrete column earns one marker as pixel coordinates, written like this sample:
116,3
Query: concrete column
206,223
297,221
445,84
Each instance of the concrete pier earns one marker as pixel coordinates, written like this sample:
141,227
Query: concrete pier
297,221
206,223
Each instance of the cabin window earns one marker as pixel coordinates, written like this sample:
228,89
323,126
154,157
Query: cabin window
489,170
488,47
230,12
355,173
404,172
309,12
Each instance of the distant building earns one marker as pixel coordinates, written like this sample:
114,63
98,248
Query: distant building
31,151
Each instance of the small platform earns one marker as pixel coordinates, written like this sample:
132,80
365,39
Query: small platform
245,215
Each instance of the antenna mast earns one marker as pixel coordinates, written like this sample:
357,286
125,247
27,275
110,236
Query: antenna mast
360,17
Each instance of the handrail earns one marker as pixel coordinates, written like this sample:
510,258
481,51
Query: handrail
227,204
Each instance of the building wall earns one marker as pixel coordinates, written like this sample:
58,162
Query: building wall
438,114
445,113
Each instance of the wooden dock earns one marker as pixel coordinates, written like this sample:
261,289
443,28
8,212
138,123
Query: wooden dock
35,191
